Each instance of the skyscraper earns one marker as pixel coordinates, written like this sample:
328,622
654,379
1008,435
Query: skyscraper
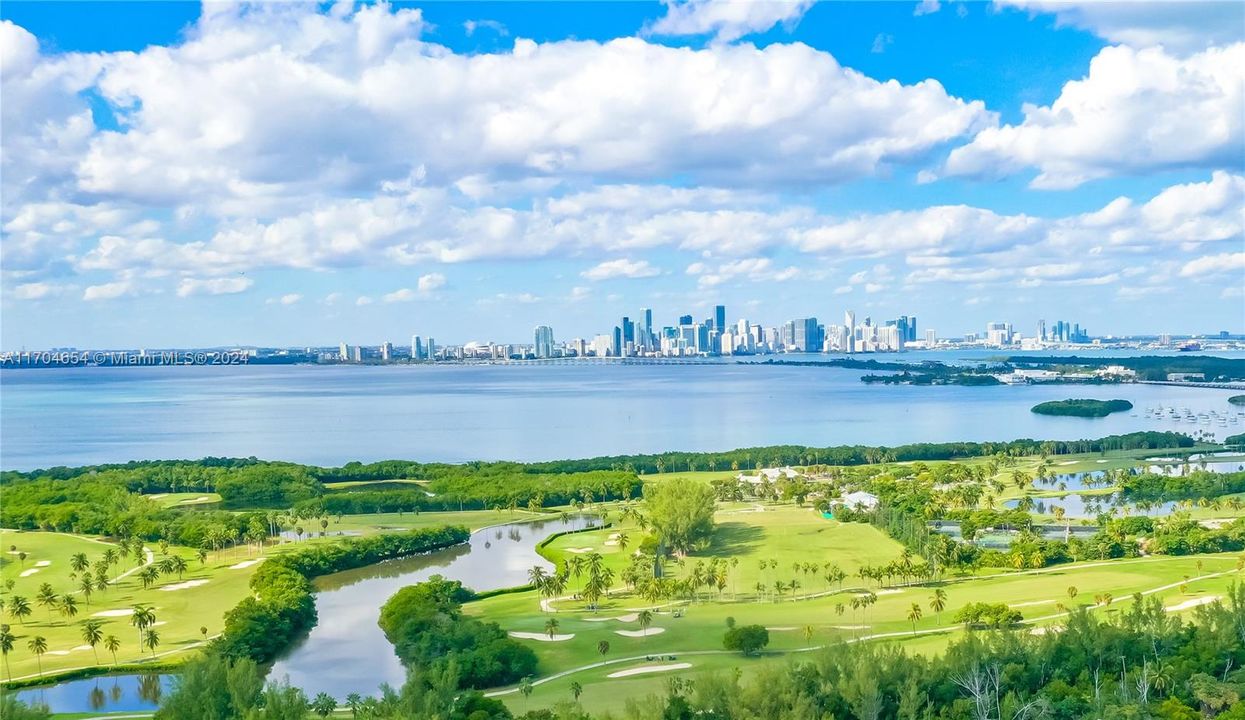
417,347
543,341
849,321
685,319
719,318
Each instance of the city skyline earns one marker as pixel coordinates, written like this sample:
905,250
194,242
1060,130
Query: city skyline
1017,160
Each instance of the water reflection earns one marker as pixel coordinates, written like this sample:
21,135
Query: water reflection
347,652
109,693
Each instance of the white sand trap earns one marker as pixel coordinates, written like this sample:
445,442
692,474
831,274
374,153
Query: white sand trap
640,633
888,592
184,585
245,564
648,669
1195,602
126,612
159,623
157,496
579,551
1068,462
201,498
43,563
1031,603
81,647
58,652
850,627
630,617
28,573
543,637
1101,461
614,536
785,628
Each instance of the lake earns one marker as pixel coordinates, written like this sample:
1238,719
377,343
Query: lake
329,415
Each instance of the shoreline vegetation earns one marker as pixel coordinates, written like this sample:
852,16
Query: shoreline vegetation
487,650
1082,407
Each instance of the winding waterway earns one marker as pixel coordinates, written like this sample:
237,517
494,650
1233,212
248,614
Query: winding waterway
346,651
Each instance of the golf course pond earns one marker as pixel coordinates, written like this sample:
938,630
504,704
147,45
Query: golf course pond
341,653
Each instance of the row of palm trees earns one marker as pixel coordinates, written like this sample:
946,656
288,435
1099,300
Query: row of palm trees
142,617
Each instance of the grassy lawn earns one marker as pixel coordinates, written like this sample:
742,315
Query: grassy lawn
199,599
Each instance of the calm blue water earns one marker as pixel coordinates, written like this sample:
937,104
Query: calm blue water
121,693
330,415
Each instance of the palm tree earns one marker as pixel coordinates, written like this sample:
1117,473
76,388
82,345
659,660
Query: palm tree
112,645
646,618
79,562
202,555
92,635
142,617
1072,591
622,541
69,607
914,614
46,597
808,635
178,564
19,607
525,687
576,690
603,647
6,647
86,587
551,627
323,704
354,701
938,603
38,645
152,641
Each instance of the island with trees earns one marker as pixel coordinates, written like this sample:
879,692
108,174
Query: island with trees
1082,407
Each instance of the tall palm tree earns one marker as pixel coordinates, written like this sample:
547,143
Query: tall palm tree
38,645
645,617
86,587
914,614
6,647
92,635
152,641
112,645
603,647
551,627
47,598
938,603
69,607
19,607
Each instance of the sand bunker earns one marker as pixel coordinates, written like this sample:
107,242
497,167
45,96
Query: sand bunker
43,563
630,617
888,592
28,573
184,585
648,669
245,564
784,628
579,551
1187,604
543,637
640,633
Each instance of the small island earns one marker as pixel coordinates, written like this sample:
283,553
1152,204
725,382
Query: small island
1082,407
1237,399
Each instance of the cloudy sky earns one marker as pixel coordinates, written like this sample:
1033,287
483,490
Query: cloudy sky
290,173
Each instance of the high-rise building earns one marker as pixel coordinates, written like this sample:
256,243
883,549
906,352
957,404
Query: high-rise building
543,341
685,319
343,352
719,318
805,335
358,353
931,338
417,347
386,351
849,321
430,350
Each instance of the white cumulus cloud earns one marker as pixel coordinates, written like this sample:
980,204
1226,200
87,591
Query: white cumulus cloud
620,268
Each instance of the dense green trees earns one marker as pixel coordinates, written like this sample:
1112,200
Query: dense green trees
268,485
429,633
747,639
281,609
1082,407
680,512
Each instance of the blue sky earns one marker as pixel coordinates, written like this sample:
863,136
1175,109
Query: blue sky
288,173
